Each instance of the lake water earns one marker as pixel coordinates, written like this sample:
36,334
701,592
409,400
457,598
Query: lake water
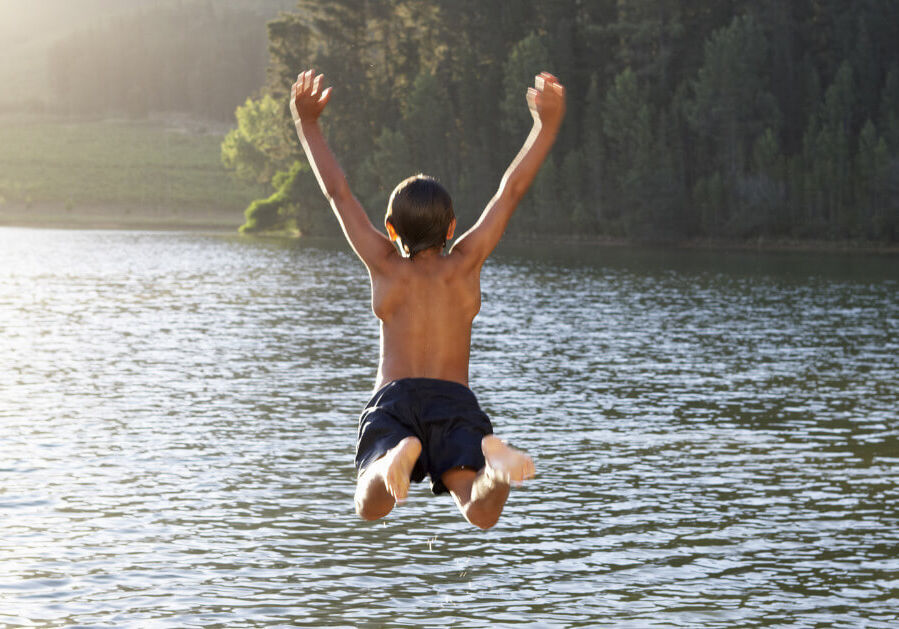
716,438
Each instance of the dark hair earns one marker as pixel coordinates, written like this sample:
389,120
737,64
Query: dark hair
420,210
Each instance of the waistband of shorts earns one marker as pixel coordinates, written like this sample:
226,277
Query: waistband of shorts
428,384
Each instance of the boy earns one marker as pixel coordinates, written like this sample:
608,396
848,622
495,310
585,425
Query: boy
423,418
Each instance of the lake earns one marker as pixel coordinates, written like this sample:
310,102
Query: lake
716,436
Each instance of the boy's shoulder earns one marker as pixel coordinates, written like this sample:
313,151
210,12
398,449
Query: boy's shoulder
430,268
444,277
444,283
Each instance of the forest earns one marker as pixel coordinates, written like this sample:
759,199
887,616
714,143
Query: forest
728,119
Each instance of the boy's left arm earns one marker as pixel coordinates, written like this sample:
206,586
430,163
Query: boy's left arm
307,100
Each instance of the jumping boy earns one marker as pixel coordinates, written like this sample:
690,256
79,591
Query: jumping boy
423,418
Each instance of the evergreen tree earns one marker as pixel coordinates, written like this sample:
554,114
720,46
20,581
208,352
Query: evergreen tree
724,100
889,109
627,126
830,153
427,126
593,155
871,164
518,74
731,103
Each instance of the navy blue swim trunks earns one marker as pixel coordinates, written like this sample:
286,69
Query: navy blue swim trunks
444,415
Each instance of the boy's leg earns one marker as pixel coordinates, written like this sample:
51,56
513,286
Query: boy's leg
386,481
481,495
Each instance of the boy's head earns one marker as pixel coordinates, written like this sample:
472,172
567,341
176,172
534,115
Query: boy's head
420,214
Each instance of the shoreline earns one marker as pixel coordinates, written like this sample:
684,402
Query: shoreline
723,244
98,216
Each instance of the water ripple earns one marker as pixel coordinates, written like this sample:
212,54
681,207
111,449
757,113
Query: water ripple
716,437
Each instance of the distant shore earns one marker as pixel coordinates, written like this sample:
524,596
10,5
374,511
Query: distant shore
752,244
102,216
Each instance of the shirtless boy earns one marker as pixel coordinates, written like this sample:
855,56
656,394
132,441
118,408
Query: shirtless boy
423,418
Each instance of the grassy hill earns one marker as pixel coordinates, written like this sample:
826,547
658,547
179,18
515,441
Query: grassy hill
59,172
163,170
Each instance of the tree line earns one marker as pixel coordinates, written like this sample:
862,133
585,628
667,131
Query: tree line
729,119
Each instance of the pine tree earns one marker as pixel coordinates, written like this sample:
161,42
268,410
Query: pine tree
526,59
627,126
832,151
592,144
871,163
731,104
889,109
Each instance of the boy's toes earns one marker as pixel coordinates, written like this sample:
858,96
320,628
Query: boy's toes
399,490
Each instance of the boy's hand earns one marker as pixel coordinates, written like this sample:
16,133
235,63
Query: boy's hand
307,100
546,100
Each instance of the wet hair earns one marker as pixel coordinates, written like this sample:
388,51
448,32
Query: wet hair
420,210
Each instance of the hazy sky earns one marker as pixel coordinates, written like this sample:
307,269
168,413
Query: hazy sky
23,20
29,27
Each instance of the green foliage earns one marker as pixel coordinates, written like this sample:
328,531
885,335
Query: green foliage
736,120
828,151
626,121
731,103
294,207
593,153
766,155
264,215
871,165
889,109
709,197
528,57
543,210
762,193
257,148
642,172
427,126
571,193
388,164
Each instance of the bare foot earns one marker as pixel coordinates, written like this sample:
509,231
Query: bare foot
505,463
396,466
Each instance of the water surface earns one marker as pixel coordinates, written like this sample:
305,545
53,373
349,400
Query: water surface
716,437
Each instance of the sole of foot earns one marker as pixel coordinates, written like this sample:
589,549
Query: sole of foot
398,464
505,463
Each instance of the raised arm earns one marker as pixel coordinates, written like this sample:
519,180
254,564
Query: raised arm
307,100
546,101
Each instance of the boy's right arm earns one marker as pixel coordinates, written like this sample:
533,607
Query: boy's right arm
306,104
547,104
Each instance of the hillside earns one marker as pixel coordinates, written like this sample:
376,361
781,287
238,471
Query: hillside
155,173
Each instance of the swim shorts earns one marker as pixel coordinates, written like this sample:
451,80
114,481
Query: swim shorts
444,415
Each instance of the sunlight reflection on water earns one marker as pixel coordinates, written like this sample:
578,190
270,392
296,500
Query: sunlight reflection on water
716,437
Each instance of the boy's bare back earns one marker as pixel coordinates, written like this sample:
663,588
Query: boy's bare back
426,305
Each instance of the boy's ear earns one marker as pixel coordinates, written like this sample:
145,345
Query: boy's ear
390,230
451,229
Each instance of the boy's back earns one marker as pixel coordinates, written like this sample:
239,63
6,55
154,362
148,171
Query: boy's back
426,305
